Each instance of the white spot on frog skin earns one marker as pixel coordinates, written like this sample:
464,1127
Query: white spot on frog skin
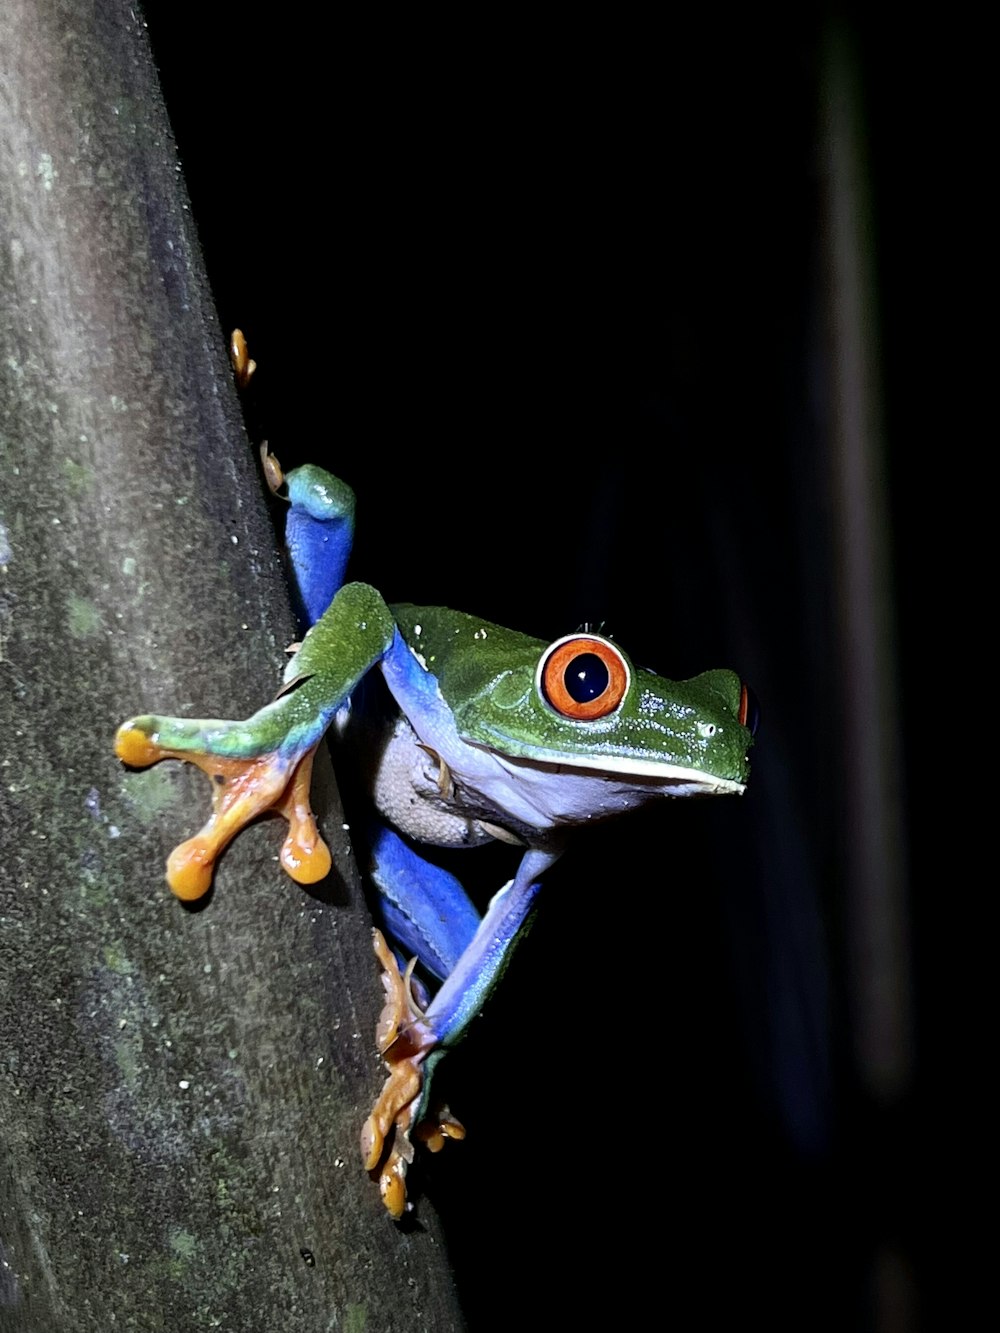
128,566
480,634
6,553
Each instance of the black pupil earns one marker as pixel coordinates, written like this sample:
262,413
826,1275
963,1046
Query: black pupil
586,678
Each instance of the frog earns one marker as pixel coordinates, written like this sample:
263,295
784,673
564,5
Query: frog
467,733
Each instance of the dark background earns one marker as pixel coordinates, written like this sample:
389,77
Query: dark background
558,304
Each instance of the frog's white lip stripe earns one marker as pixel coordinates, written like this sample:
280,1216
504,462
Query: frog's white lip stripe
689,781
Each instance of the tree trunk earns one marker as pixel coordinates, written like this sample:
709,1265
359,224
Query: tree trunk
182,1089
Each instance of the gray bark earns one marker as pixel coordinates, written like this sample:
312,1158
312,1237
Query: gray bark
181,1090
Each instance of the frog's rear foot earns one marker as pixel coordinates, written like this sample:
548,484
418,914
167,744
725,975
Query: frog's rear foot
405,1040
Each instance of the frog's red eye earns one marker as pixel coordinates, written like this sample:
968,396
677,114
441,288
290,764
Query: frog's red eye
582,677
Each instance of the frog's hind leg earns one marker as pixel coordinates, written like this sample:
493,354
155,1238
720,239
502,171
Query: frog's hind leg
411,1046
244,786
426,911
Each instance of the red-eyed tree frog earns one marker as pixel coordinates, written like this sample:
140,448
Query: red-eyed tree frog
482,733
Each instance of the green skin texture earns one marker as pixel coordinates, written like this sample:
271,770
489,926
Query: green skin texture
337,652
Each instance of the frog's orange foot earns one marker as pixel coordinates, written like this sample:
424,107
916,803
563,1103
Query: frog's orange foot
438,1128
242,362
242,790
405,1041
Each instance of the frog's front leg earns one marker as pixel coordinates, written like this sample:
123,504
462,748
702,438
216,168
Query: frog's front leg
265,762
319,530
412,1042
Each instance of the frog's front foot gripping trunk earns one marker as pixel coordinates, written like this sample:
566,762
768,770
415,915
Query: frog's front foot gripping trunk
265,762
242,789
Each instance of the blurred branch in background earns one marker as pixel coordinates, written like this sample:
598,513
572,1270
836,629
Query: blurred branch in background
875,837
873,859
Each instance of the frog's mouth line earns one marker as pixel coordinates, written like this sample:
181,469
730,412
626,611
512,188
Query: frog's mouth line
667,779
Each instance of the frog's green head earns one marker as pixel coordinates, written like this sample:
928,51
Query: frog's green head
580,702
